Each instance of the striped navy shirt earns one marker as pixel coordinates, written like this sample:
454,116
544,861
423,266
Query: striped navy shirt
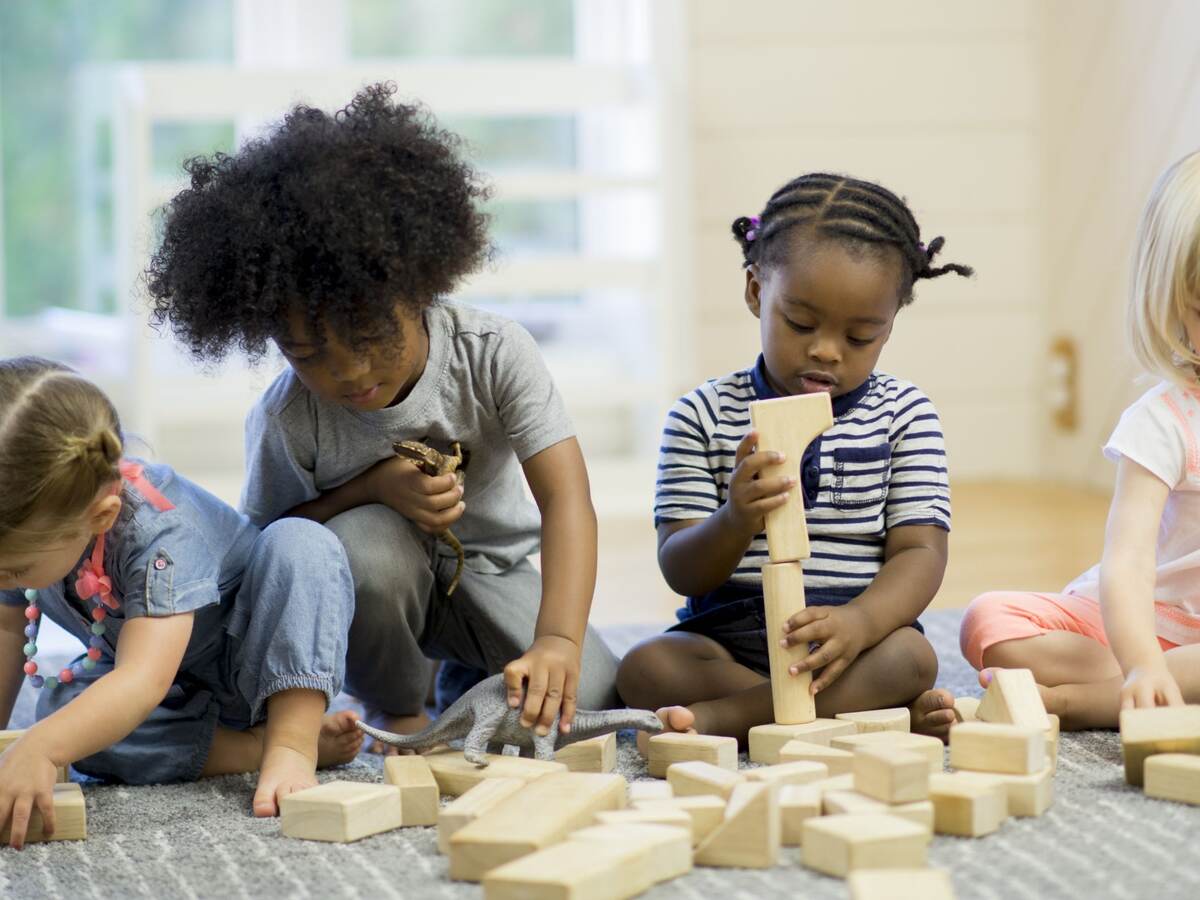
881,465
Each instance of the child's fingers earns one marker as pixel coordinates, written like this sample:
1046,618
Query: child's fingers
552,704
804,617
822,656
445,500
775,488
439,520
19,821
745,447
437,484
535,695
567,716
514,682
45,805
752,465
830,675
1172,695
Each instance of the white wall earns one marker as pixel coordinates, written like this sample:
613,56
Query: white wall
939,101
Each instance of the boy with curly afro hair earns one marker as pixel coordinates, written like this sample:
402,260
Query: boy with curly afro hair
337,238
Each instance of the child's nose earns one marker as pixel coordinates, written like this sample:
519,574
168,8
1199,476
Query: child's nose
351,369
824,350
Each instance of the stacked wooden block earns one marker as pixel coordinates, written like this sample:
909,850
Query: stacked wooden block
1161,746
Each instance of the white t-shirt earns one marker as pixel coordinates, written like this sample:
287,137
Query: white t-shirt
1161,433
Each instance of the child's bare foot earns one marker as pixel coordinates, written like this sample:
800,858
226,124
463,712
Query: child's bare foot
674,718
284,771
933,713
340,740
395,724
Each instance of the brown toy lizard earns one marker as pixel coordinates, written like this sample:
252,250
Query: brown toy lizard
431,462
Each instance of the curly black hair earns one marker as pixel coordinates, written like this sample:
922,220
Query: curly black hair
842,208
341,217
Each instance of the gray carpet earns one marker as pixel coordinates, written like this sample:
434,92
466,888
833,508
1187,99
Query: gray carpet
1099,839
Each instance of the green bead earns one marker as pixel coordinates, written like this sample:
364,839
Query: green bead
98,628
31,649
30,595
89,663
51,682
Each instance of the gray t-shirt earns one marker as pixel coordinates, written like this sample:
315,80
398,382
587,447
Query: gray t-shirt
485,385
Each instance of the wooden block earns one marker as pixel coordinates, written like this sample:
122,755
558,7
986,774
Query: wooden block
789,773
666,850
455,775
767,741
540,814
418,789
690,778
966,709
919,812
965,805
838,762
1052,741
835,783
797,802
839,845
783,597
750,835
1162,729
878,719
1173,776
1026,795
70,817
650,790
930,747
1013,698
671,816
663,750
598,754
890,774
571,870
469,806
11,735
787,425
340,811
900,884
707,811
841,802
986,747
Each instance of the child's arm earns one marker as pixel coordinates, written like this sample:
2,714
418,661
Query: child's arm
12,656
914,563
1127,576
149,652
559,481
431,502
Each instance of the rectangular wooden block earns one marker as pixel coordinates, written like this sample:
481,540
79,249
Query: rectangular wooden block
767,741
598,754
797,802
455,775
839,845
1162,729
900,884
788,425
1027,795
897,719
690,778
418,789
789,773
838,762
835,783
985,747
929,747
749,838
783,597
570,870
966,709
1173,776
965,805
706,811
70,818
663,815
841,802
1052,741
340,811
469,806
666,850
664,750
650,790
1013,698
891,774
541,814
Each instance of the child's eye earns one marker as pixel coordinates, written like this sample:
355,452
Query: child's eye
796,326
860,342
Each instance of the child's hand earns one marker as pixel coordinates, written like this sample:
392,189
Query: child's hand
550,667
431,502
26,779
838,629
1151,685
750,496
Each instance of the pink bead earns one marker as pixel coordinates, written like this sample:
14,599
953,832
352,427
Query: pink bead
94,653
32,612
66,676
31,668
99,613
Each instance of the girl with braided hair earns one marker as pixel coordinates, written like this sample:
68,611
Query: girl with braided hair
829,262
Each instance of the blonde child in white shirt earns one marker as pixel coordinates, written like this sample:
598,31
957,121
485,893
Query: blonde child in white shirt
1126,633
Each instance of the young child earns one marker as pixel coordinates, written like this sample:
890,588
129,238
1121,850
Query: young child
212,648
338,238
1126,633
829,262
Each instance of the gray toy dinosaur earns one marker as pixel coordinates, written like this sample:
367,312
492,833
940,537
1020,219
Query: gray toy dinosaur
485,722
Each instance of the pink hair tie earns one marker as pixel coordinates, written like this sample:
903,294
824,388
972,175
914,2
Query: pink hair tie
753,232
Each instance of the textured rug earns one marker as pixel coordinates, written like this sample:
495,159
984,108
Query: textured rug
1099,839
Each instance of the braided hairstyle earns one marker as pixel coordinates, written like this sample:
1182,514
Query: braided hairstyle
842,208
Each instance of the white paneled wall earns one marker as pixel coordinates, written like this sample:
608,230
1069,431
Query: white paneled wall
939,101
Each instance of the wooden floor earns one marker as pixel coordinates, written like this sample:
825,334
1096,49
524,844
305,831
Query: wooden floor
1006,535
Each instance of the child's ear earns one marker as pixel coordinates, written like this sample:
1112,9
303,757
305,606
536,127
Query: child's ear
104,513
753,291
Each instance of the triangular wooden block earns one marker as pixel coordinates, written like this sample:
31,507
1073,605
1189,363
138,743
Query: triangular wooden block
749,837
1013,699
598,754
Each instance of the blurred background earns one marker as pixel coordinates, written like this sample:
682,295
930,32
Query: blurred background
622,137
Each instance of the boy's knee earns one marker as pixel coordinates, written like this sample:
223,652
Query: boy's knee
636,673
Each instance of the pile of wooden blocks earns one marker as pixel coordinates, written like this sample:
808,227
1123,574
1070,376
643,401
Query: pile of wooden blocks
1161,746
70,811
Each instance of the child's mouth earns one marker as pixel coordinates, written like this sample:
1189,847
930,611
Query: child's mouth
815,382
364,396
